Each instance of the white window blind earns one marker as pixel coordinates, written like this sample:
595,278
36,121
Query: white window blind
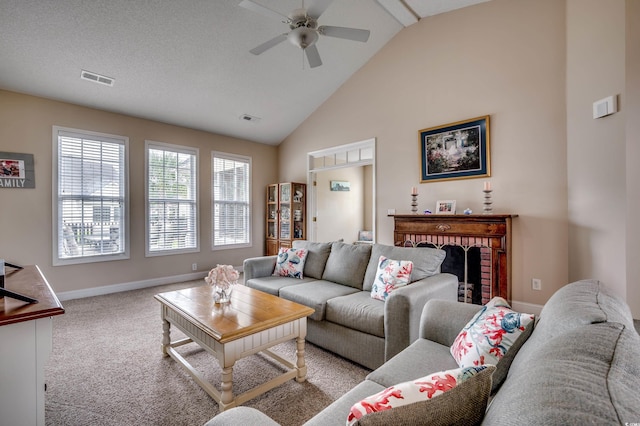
90,197
231,200
172,198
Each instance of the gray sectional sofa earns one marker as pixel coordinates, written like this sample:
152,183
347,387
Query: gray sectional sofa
580,365
337,280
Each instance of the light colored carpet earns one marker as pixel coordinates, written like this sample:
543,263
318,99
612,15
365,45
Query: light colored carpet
107,369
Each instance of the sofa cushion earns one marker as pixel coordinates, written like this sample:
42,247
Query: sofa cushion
290,262
317,255
588,376
390,275
315,294
419,358
272,285
336,413
574,305
357,311
490,335
347,264
426,261
580,303
448,397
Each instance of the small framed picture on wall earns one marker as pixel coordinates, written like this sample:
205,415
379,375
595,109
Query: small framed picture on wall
340,185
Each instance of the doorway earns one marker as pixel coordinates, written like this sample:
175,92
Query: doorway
350,207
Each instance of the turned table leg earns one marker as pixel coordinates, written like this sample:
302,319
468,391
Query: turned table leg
166,336
300,364
226,386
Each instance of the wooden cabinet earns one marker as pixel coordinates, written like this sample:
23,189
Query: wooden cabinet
26,332
286,215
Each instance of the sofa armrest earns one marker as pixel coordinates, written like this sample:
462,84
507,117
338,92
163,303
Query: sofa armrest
403,309
258,267
442,320
241,416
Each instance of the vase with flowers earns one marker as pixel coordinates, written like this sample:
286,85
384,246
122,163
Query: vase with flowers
222,278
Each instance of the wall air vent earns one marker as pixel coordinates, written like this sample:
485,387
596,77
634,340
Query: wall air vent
249,118
97,78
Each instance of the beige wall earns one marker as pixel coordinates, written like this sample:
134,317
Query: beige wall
603,154
504,58
25,222
632,105
340,214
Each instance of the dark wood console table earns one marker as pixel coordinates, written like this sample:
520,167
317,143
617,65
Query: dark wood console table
26,336
491,233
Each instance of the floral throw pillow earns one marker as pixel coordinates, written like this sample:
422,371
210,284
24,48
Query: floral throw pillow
290,262
390,275
489,335
422,390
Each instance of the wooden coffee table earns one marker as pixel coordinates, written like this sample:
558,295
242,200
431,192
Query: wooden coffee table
252,322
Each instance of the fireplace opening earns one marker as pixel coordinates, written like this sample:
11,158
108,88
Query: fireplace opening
454,263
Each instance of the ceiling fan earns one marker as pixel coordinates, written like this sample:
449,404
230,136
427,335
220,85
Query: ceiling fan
304,27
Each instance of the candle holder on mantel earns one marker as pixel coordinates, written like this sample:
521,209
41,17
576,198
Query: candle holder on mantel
487,209
414,203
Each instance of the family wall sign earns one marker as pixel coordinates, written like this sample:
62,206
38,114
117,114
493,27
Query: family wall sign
17,170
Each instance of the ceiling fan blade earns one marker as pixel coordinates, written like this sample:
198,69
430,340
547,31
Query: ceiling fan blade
269,44
317,8
354,34
313,56
258,8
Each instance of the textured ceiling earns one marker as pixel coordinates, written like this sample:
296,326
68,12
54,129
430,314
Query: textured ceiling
187,62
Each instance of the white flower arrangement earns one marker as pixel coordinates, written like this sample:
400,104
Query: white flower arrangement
222,278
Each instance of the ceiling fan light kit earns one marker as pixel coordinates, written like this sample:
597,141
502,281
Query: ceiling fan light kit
303,37
305,32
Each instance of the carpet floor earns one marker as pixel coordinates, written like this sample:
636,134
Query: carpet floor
107,369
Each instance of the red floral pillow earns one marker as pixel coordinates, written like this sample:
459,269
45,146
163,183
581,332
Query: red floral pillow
390,275
423,389
290,262
489,335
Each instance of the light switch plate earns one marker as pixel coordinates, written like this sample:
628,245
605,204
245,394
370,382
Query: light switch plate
604,107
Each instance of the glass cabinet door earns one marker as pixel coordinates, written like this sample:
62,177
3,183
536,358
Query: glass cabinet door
298,213
285,211
272,211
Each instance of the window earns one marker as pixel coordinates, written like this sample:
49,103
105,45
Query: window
90,197
231,175
172,199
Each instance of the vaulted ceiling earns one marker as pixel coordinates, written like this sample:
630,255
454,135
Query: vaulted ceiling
187,62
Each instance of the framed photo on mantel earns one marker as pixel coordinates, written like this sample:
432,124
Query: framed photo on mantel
446,207
455,151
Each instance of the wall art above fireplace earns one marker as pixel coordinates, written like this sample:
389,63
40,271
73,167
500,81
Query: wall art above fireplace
455,151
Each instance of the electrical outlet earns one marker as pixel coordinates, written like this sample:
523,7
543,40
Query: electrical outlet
194,266
391,212
536,284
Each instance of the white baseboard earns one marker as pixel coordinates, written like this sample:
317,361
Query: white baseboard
135,285
529,308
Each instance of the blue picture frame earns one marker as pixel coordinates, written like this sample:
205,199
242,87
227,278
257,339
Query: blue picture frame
458,150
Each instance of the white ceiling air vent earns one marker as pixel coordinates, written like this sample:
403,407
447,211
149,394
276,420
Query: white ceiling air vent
97,78
249,118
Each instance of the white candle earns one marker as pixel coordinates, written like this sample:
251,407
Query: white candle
487,186
414,190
